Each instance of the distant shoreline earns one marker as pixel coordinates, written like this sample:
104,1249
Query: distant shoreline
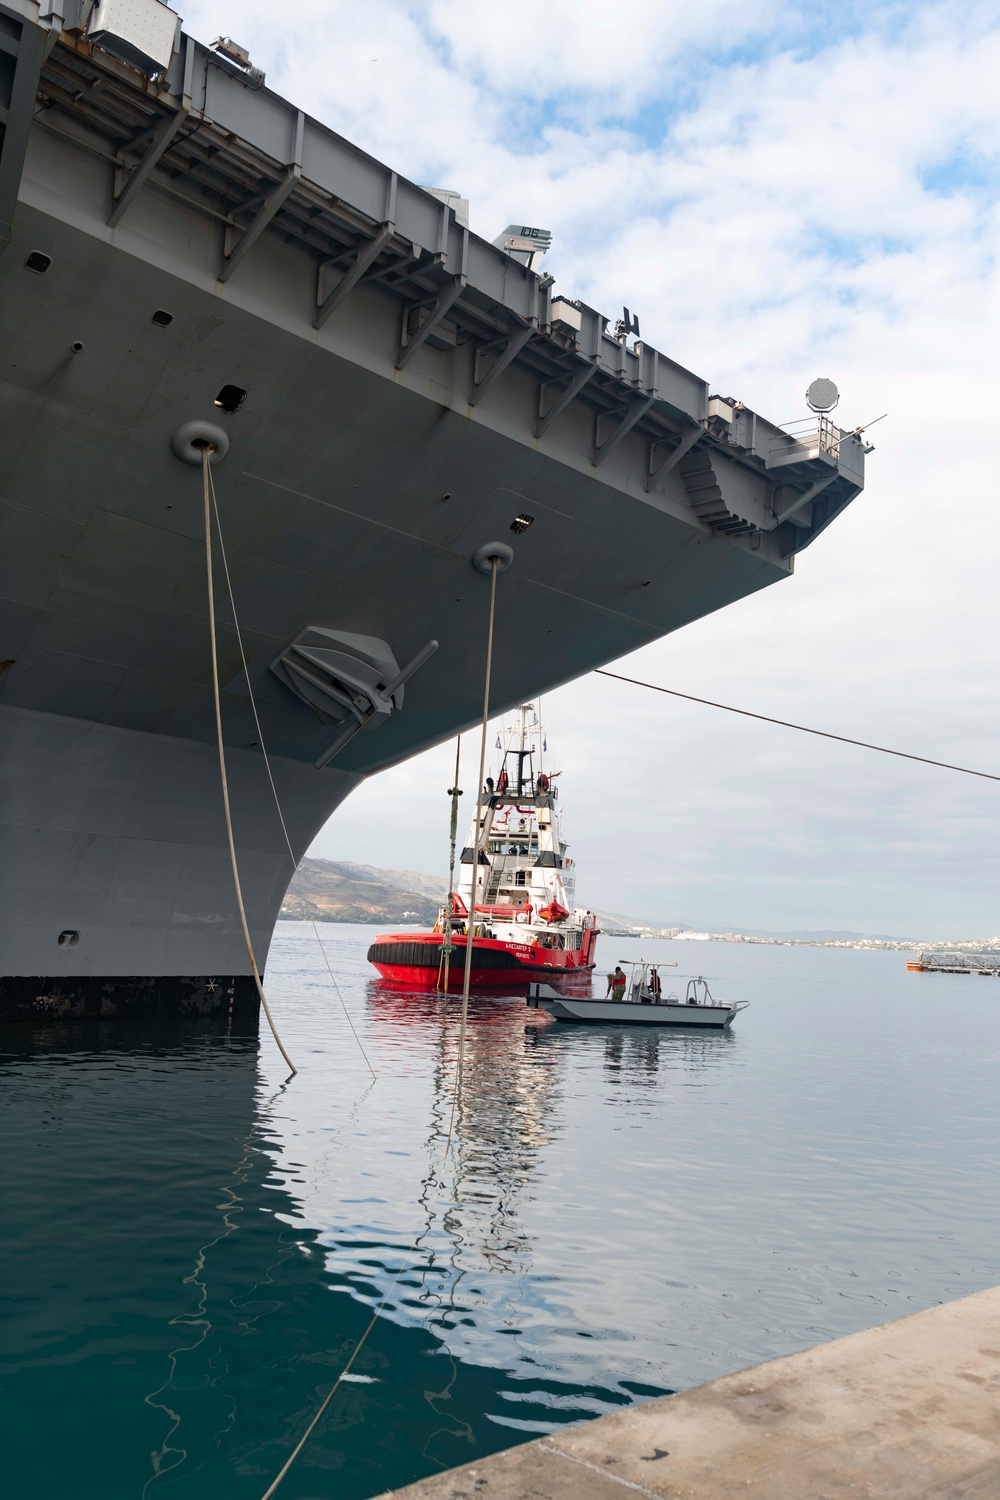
887,945
332,891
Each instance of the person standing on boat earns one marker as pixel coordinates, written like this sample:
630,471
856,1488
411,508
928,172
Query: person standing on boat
616,984
655,987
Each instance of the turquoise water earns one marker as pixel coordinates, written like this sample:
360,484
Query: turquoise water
191,1251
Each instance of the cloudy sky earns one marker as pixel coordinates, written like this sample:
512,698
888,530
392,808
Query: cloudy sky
781,191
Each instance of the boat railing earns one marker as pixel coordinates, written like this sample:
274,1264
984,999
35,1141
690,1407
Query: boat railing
640,994
810,435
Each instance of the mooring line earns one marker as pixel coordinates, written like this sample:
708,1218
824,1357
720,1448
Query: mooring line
406,1266
824,734
206,464
477,843
444,963
270,774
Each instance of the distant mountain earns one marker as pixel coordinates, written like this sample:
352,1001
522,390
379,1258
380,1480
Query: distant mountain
329,890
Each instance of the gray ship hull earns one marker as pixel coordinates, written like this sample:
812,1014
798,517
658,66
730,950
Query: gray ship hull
370,458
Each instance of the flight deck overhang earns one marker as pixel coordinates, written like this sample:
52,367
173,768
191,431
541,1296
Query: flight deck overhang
184,253
204,133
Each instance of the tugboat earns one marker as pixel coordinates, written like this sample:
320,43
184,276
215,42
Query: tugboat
516,879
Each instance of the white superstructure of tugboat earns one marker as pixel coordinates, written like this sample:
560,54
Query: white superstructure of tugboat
518,880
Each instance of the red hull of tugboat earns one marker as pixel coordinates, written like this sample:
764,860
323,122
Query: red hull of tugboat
413,959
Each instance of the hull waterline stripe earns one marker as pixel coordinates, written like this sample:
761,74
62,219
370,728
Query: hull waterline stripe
802,728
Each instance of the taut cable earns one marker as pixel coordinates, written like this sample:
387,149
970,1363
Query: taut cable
206,463
267,766
476,847
802,728
444,968
336,1384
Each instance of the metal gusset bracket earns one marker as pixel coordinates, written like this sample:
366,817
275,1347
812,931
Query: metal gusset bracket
506,352
364,259
819,523
353,681
233,254
411,339
568,393
129,184
409,342
627,419
659,466
793,512
24,46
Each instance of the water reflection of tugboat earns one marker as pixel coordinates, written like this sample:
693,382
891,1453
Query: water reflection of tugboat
516,879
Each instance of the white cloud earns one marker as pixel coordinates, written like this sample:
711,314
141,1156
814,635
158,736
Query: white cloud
775,204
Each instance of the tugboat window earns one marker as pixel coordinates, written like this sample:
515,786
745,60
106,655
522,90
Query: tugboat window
162,318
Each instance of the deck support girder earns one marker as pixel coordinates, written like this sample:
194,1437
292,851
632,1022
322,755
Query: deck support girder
657,468
126,188
627,420
578,379
29,52
508,352
409,342
365,257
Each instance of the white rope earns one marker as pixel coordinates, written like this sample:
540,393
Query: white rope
336,1384
206,464
269,1492
267,765
477,845
444,967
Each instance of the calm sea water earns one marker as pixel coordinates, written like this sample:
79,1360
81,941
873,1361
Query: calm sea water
191,1250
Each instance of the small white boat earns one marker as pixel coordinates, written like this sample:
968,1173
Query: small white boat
645,1005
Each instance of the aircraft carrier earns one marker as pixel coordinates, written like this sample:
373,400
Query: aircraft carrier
186,253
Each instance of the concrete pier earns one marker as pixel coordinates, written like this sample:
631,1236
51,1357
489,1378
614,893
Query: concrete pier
909,1410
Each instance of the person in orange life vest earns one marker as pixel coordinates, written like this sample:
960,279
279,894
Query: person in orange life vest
503,783
616,984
